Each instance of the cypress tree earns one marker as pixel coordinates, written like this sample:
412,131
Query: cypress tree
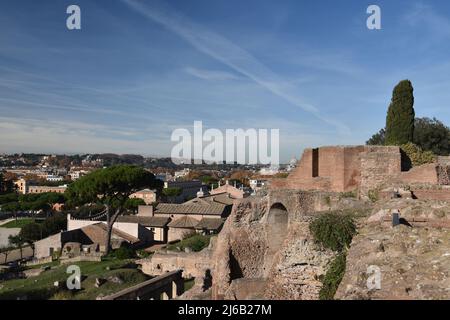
400,116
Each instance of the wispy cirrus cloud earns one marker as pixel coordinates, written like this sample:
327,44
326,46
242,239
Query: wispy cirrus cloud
212,75
230,54
424,15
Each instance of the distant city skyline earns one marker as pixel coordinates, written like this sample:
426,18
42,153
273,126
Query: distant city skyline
137,70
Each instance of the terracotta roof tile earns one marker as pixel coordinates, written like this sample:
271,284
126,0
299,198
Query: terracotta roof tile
145,221
210,224
184,222
97,233
191,208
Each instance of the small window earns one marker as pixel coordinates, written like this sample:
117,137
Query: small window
315,162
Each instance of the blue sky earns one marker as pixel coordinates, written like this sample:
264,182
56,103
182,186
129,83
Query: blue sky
140,69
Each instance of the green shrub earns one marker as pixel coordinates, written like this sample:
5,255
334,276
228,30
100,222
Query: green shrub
142,254
348,194
373,195
328,200
31,232
188,234
196,243
124,253
63,295
333,277
416,155
334,231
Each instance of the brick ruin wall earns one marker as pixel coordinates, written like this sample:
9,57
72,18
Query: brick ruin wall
327,168
361,168
425,174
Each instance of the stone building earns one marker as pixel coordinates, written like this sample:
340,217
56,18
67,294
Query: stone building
232,191
94,234
24,187
143,226
205,216
21,186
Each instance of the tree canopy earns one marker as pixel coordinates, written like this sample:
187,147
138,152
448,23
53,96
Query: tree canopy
132,204
111,187
432,135
6,185
429,134
400,115
35,231
172,192
13,202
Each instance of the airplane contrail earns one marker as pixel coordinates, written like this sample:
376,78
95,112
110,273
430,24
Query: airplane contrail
230,54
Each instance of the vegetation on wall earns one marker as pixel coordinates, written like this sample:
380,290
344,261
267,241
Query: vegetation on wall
373,195
333,231
416,155
333,277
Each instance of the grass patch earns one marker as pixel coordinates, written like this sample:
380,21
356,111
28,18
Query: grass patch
188,284
19,223
195,243
42,286
38,266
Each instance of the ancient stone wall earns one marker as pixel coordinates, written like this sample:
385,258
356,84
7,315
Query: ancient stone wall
432,194
352,168
378,166
412,257
257,242
443,172
193,264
